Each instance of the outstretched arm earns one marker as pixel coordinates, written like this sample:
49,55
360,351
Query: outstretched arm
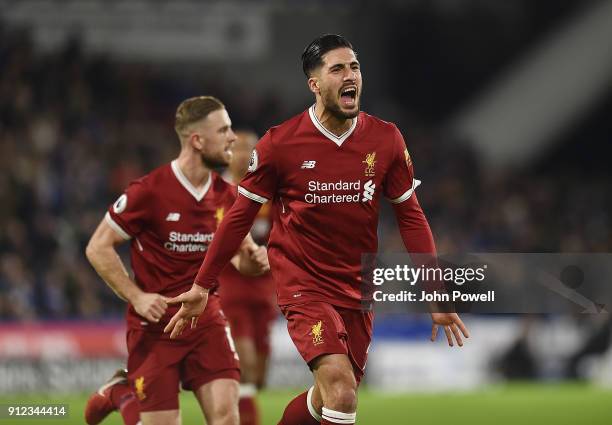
228,238
418,240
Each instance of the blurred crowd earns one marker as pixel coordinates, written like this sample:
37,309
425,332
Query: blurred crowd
75,129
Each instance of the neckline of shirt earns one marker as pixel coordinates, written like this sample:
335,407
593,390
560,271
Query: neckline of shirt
338,140
184,181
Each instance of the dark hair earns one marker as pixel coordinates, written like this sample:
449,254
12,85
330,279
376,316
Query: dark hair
312,57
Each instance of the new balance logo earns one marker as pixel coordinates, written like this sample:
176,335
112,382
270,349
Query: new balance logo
173,216
309,164
368,191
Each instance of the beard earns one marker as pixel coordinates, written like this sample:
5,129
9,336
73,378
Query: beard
216,161
331,104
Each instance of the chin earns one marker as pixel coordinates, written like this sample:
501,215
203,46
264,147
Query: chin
350,113
343,113
216,162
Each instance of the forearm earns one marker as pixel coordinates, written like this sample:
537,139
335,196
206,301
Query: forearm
247,245
414,229
229,236
111,269
418,239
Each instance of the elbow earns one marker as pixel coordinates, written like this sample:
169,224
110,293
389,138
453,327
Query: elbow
91,251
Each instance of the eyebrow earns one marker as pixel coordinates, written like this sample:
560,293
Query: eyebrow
341,64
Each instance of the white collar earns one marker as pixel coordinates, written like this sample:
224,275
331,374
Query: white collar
184,181
331,136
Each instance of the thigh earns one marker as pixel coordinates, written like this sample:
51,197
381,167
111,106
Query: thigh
219,400
335,382
213,356
359,330
316,329
153,370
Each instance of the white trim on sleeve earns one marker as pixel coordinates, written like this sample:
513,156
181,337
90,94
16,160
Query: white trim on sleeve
253,196
407,194
112,223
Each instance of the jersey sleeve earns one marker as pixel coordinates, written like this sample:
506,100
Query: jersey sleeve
128,215
399,183
259,184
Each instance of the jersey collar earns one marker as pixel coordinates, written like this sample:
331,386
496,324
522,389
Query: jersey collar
331,136
184,181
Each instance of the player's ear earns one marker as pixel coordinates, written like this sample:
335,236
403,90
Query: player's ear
313,85
196,141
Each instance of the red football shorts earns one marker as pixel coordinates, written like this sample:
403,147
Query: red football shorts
252,320
157,364
318,328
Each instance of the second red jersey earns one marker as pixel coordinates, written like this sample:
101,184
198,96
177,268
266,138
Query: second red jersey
170,224
326,191
234,287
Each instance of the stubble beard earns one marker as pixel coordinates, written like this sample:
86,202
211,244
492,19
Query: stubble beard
214,161
332,105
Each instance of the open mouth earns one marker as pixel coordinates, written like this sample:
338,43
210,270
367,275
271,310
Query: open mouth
348,96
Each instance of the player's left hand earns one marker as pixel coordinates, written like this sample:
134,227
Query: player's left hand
193,303
254,261
452,324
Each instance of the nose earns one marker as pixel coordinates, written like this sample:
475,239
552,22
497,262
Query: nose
232,136
350,75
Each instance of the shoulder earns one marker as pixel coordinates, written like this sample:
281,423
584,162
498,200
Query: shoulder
221,186
287,129
149,184
218,183
373,123
388,137
161,175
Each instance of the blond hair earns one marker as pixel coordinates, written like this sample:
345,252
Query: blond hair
193,110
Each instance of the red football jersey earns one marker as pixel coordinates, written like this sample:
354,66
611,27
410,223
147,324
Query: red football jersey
170,224
326,192
234,287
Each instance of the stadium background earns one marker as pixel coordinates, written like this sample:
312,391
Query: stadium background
505,106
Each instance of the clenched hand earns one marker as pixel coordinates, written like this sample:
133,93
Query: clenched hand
151,306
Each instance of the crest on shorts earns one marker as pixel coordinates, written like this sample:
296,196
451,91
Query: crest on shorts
140,386
317,333
219,215
370,162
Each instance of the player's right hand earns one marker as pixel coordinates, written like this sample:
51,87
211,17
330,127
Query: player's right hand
193,303
151,306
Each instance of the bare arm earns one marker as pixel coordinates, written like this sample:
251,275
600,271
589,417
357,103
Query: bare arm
103,256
